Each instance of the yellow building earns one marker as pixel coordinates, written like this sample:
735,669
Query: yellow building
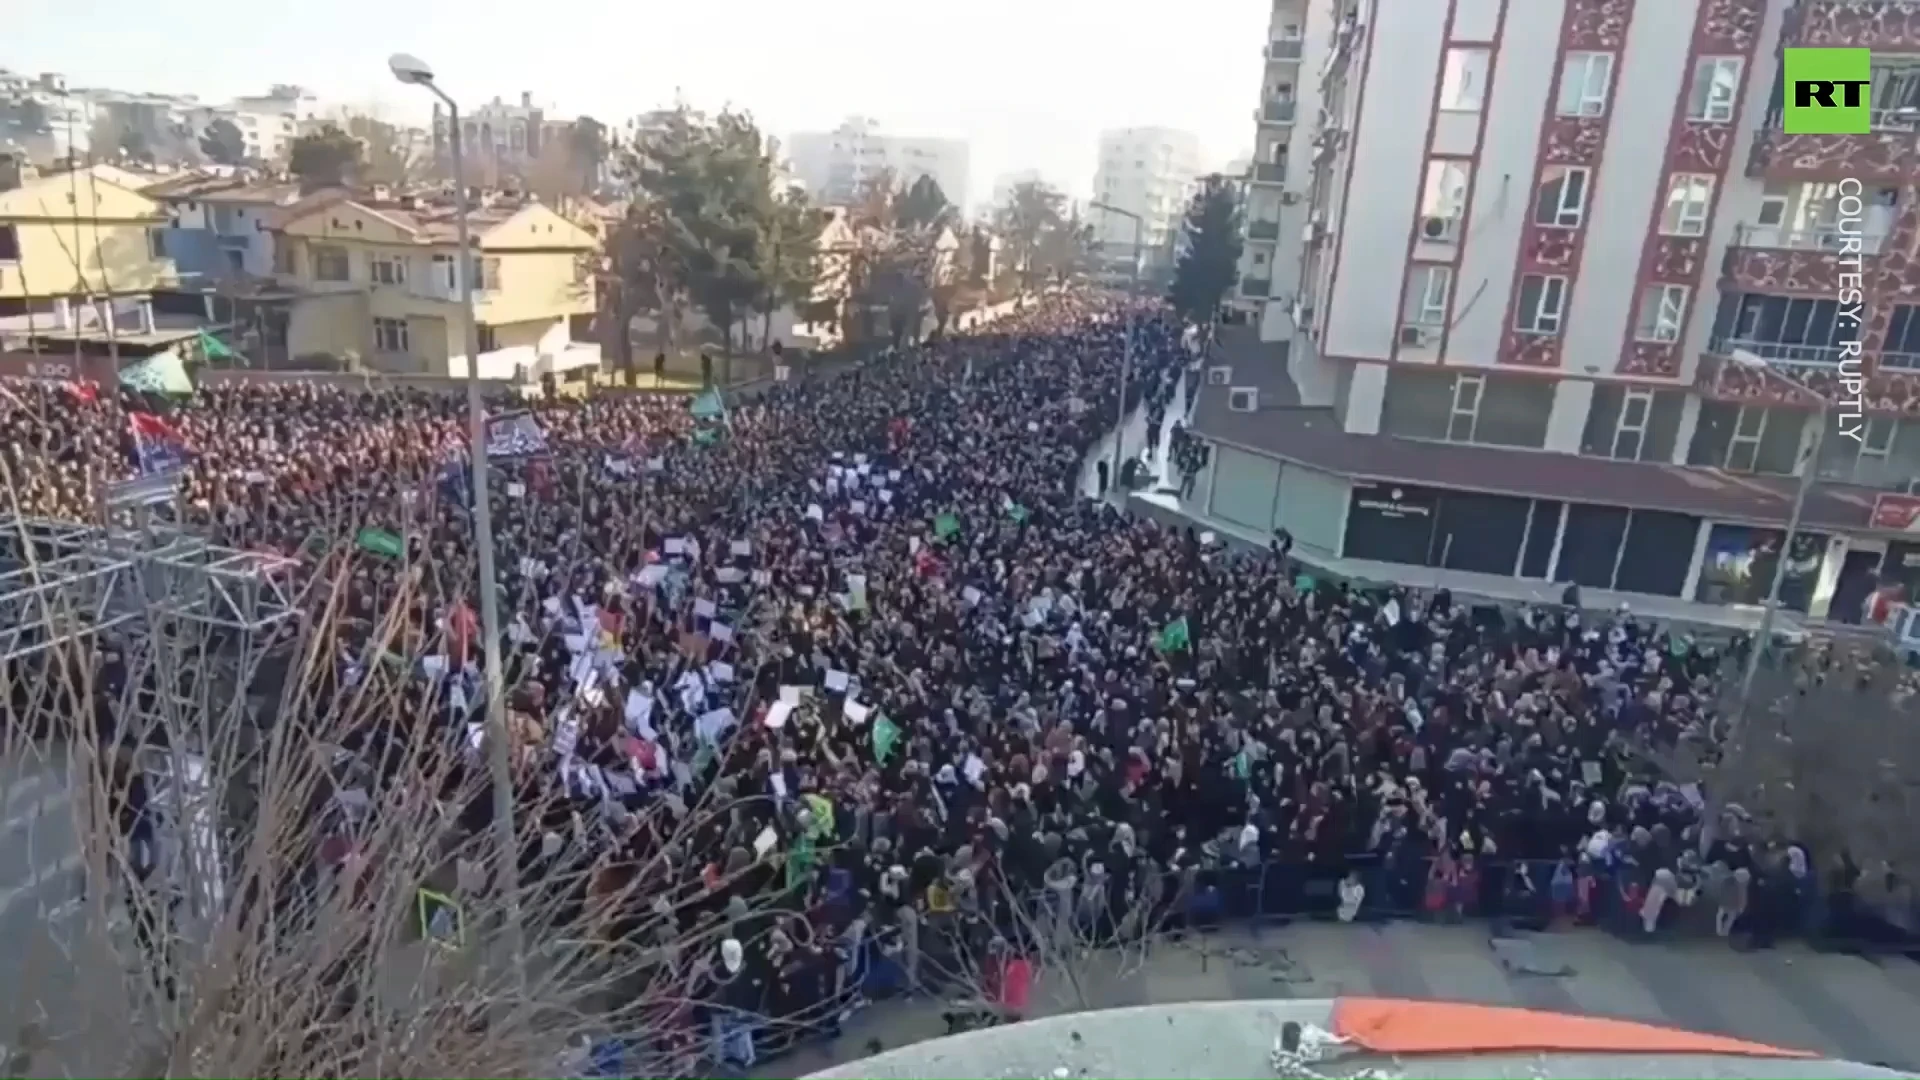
381,280
70,240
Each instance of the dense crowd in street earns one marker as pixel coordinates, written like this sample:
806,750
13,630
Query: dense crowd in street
877,611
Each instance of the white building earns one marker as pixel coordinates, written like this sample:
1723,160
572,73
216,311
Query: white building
1549,295
835,166
1007,183
1148,171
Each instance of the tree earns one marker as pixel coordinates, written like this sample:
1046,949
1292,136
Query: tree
1211,258
712,178
222,142
326,158
587,150
1824,755
1034,213
385,156
641,272
791,251
302,909
924,206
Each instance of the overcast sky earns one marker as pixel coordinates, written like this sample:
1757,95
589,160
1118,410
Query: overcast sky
1028,83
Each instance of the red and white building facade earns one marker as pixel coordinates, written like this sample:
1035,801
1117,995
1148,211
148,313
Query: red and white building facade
1505,250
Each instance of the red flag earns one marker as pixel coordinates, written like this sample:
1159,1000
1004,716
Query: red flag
83,392
153,427
463,626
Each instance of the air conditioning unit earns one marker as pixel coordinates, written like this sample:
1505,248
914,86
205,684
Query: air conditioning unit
1289,198
1243,399
1437,228
1419,337
1220,375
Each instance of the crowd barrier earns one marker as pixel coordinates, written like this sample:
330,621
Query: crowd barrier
1253,898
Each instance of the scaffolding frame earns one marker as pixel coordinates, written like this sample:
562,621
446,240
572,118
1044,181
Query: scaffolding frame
202,616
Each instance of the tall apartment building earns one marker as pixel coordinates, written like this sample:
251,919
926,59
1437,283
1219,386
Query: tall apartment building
1148,171
835,166
502,137
1549,295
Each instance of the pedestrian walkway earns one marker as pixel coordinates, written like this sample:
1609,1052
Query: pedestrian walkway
1835,1005
1135,438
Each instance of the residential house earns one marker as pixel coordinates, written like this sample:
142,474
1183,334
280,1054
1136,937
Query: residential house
75,247
389,272
217,223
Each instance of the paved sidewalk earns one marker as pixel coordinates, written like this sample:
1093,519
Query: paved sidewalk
1842,1006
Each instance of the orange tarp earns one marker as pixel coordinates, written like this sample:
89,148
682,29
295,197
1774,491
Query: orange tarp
1387,1026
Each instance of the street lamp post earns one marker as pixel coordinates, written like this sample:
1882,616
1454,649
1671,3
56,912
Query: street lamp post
1764,634
1126,356
414,72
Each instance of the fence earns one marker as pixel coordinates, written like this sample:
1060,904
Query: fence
1509,894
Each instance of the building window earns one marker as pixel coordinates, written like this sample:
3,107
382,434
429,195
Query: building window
1543,303
388,270
9,243
331,264
1902,347
1463,86
1426,300
390,336
1895,94
1583,84
1747,438
1443,203
157,243
1663,312
1689,198
1800,328
1716,84
1562,201
1628,423
486,273
489,337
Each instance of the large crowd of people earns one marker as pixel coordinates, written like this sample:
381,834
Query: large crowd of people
879,610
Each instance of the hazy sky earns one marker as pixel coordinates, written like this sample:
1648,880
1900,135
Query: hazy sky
1029,83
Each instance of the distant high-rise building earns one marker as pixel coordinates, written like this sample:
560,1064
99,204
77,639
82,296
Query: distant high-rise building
1007,183
1148,171
835,166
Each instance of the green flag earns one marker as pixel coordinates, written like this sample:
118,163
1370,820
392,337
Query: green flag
1018,513
946,526
885,734
708,405
799,861
381,542
706,436
213,349
1242,766
1174,637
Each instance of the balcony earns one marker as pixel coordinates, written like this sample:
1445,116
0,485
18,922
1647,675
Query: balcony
1263,230
1885,26
1283,51
1889,154
1270,172
1815,369
1255,288
1276,112
1795,261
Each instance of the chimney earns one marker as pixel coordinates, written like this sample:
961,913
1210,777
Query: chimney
526,99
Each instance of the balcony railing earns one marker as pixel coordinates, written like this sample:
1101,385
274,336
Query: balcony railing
1902,361
1255,286
1830,241
1282,50
1278,112
1263,230
1274,172
1780,355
